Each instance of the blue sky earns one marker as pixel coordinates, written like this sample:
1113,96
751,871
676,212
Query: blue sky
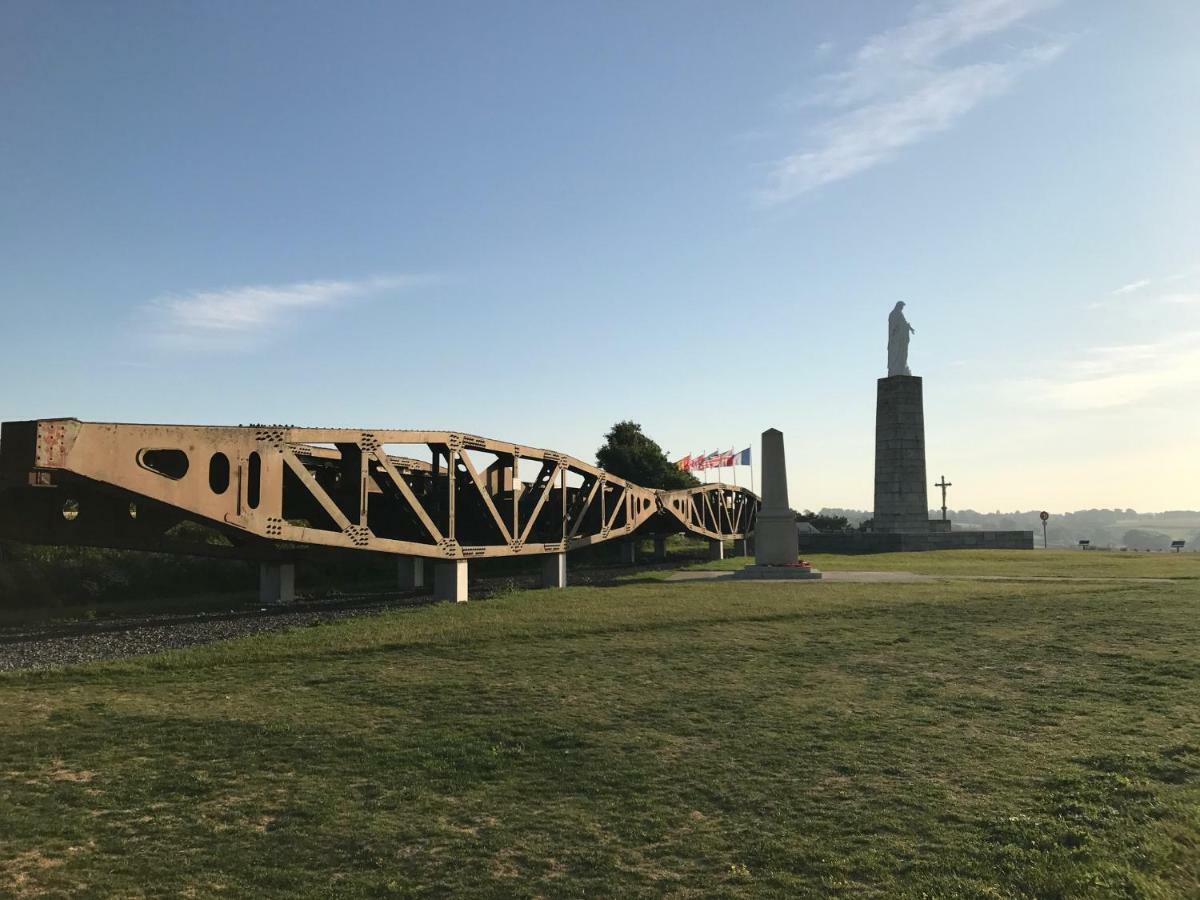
530,220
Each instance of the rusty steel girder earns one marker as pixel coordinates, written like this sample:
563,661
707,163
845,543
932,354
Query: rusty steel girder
275,489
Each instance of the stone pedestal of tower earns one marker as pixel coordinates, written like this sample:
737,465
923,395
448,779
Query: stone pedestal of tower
901,500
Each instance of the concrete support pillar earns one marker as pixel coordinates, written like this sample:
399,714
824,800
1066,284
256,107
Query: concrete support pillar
741,547
629,553
660,548
450,580
410,573
554,570
716,549
276,583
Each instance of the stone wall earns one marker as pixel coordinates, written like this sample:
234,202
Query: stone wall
875,542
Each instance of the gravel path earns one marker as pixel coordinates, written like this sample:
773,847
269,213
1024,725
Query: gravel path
856,577
45,647
912,578
71,643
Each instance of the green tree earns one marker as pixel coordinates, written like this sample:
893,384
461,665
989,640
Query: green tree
824,522
628,453
1144,539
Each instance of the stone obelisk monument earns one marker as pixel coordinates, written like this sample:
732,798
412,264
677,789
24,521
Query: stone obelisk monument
776,541
901,500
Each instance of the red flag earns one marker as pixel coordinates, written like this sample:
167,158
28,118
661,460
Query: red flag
685,464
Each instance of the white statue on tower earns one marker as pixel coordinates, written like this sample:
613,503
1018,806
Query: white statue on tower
898,332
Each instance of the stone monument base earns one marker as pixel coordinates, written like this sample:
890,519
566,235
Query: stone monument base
778,573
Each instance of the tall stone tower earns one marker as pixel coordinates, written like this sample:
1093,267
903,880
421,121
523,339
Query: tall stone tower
901,500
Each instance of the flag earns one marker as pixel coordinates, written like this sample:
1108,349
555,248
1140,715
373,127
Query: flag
742,458
685,464
712,460
726,458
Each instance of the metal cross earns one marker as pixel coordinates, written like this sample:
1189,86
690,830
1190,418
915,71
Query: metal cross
943,484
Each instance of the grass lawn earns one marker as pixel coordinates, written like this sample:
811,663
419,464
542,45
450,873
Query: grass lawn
969,739
1008,563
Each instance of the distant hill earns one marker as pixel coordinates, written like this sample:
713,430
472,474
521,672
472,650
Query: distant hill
1103,527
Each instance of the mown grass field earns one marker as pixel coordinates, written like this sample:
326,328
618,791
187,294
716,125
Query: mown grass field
1003,563
970,739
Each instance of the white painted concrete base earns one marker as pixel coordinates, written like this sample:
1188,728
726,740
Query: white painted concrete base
276,583
410,573
554,570
450,581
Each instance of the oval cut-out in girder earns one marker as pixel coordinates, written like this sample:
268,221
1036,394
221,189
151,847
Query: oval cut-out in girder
254,479
218,473
169,463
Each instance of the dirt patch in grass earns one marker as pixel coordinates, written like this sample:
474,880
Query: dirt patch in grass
23,874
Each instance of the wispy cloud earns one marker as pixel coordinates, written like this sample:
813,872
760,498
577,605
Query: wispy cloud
1121,375
1133,286
1141,283
242,317
1161,295
897,90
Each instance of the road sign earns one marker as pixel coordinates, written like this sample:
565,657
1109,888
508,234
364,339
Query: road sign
1044,515
1045,539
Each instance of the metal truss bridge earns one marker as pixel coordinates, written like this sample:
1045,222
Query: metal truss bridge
274,491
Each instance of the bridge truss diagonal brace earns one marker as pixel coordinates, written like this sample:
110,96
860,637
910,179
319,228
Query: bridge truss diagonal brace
318,492
559,475
406,492
488,503
587,504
